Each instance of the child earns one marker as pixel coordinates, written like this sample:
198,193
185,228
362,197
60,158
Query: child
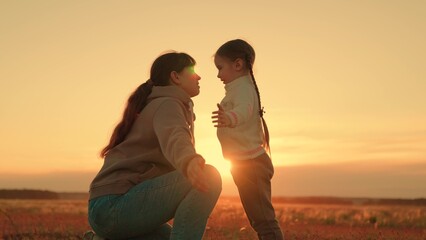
243,141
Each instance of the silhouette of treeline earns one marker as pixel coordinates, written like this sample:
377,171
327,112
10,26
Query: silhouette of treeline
27,194
40,194
350,201
73,195
43,194
314,200
417,201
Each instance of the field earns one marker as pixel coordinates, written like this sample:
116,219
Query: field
67,219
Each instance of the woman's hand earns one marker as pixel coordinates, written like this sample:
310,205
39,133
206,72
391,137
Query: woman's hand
220,118
196,175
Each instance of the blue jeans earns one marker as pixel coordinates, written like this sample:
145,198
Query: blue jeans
144,211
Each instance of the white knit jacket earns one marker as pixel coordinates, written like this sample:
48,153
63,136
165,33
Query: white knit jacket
243,140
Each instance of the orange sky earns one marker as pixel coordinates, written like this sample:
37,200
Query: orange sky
342,82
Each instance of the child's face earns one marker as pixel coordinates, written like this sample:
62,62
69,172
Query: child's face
227,72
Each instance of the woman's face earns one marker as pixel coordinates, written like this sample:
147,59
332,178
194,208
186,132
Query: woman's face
188,81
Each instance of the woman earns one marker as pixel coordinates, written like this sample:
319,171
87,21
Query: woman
152,172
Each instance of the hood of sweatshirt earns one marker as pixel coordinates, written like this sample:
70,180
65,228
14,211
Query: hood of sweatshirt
171,91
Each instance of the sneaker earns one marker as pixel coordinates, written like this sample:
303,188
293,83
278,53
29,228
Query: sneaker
90,235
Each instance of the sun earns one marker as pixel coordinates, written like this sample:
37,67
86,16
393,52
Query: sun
224,167
211,151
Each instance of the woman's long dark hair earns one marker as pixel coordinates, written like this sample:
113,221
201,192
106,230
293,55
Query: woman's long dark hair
238,48
159,76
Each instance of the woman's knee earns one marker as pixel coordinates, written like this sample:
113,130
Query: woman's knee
214,179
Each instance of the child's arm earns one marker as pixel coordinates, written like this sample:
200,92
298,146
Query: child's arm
220,118
243,108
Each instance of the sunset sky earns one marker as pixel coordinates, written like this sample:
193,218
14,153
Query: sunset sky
343,84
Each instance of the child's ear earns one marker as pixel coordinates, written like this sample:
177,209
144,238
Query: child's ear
238,64
174,76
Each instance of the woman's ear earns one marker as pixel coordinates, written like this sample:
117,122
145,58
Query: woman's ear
174,76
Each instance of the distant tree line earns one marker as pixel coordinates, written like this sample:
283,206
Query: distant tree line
416,202
27,194
350,201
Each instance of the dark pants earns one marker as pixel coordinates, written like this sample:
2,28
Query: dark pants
253,180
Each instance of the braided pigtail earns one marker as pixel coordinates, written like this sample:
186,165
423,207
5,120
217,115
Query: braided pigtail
261,111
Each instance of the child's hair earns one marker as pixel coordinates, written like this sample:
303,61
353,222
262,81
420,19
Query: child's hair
238,48
159,76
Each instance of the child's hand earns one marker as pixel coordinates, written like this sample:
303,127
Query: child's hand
195,174
220,118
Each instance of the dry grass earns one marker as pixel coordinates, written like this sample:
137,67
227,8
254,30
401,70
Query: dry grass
67,219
